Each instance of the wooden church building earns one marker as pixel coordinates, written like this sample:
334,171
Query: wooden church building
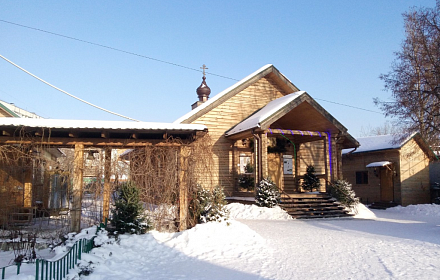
266,122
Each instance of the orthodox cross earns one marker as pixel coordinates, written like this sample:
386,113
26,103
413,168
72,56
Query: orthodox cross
204,68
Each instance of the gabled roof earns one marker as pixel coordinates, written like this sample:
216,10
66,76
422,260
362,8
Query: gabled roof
8,111
298,111
16,112
256,120
218,99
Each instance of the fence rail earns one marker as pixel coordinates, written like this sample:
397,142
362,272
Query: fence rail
18,265
58,269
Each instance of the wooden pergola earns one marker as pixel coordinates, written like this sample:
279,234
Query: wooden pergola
106,135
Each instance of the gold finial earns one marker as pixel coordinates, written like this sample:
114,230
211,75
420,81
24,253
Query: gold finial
204,68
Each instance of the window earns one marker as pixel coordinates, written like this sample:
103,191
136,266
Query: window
361,177
244,161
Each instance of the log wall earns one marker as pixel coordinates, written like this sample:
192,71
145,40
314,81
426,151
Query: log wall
228,114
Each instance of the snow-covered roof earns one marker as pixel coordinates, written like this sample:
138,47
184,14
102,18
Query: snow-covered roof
95,124
18,111
266,112
378,164
221,94
377,143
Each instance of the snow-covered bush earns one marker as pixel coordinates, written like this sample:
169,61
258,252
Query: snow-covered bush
127,216
310,181
342,191
210,205
267,194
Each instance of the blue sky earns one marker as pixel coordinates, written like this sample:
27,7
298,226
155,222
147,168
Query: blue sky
334,50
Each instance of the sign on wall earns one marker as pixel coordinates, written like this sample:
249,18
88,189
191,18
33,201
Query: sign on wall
287,164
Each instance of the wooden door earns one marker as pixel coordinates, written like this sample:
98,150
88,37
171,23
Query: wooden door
386,184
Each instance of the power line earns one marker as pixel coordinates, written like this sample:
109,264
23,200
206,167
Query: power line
115,49
65,92
158,60
341,104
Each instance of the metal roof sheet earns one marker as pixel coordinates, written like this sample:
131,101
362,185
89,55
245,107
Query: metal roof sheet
95,124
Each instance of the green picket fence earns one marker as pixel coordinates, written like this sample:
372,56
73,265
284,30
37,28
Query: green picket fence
45,270
57,270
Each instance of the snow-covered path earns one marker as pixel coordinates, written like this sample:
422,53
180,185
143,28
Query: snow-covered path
354,249
395,245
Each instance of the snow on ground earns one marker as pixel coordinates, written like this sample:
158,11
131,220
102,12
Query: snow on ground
242,211
399,243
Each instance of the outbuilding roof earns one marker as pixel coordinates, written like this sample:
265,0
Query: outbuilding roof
389,142
376,143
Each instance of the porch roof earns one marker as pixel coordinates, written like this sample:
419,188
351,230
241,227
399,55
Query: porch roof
295,111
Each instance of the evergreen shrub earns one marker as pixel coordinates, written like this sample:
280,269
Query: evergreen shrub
127,215
310,181
267,194
343,192
210,205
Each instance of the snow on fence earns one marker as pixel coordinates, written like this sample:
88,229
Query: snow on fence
49,270
58,269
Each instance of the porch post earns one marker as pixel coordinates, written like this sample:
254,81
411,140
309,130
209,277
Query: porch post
297,163
257,154
107,175
326,161
78,166
183,189
263,158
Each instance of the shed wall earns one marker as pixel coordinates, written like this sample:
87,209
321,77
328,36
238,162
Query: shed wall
414,174
370,192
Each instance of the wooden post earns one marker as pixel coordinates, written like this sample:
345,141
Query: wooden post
107,175
326,161
263,159
297,162
78,166
257,172
27,199
183,189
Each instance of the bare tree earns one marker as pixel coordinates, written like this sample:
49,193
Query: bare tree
415,75
386,129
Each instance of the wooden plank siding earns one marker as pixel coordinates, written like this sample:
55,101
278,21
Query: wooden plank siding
370,192
414,174
313,153
228,114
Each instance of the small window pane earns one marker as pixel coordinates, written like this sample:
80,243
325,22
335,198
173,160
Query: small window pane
361,177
